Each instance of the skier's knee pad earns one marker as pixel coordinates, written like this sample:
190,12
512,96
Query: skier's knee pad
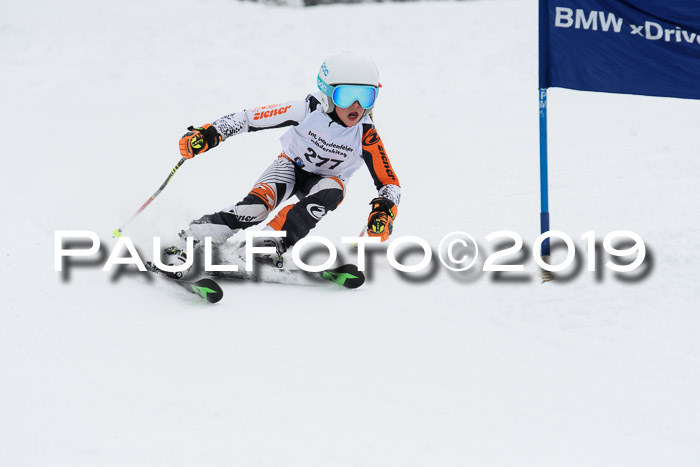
330,191
264,193
329,198
304,215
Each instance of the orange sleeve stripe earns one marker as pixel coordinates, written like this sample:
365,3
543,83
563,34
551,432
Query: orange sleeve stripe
381,166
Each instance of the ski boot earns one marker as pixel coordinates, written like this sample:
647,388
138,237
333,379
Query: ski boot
275,259
172,256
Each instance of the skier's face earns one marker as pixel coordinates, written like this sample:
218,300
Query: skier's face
350,115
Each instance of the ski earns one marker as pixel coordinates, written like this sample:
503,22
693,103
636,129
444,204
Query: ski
347,275
205,288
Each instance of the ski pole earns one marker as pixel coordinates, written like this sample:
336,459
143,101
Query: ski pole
116,233
362,234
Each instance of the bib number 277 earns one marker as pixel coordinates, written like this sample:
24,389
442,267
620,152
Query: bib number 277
312,157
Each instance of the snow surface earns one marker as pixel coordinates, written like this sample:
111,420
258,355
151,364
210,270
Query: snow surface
449,370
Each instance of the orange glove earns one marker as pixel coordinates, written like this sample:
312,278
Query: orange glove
198,140
381,219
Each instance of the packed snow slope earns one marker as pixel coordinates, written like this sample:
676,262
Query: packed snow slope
433,368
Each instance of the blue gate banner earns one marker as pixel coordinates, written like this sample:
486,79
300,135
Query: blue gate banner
648,47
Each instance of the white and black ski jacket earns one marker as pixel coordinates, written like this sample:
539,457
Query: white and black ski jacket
320,143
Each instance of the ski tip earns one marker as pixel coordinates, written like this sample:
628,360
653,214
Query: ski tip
347,276
208,290
116,233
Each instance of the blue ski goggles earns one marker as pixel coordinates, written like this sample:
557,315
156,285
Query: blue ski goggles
344,95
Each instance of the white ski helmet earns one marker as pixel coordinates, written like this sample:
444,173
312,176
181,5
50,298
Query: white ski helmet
345,68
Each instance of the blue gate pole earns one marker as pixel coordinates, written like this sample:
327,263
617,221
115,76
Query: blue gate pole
544,190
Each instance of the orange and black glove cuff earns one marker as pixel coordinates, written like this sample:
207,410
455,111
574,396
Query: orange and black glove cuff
198,140
381,219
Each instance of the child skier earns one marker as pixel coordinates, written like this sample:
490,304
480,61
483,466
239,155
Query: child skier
331,136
